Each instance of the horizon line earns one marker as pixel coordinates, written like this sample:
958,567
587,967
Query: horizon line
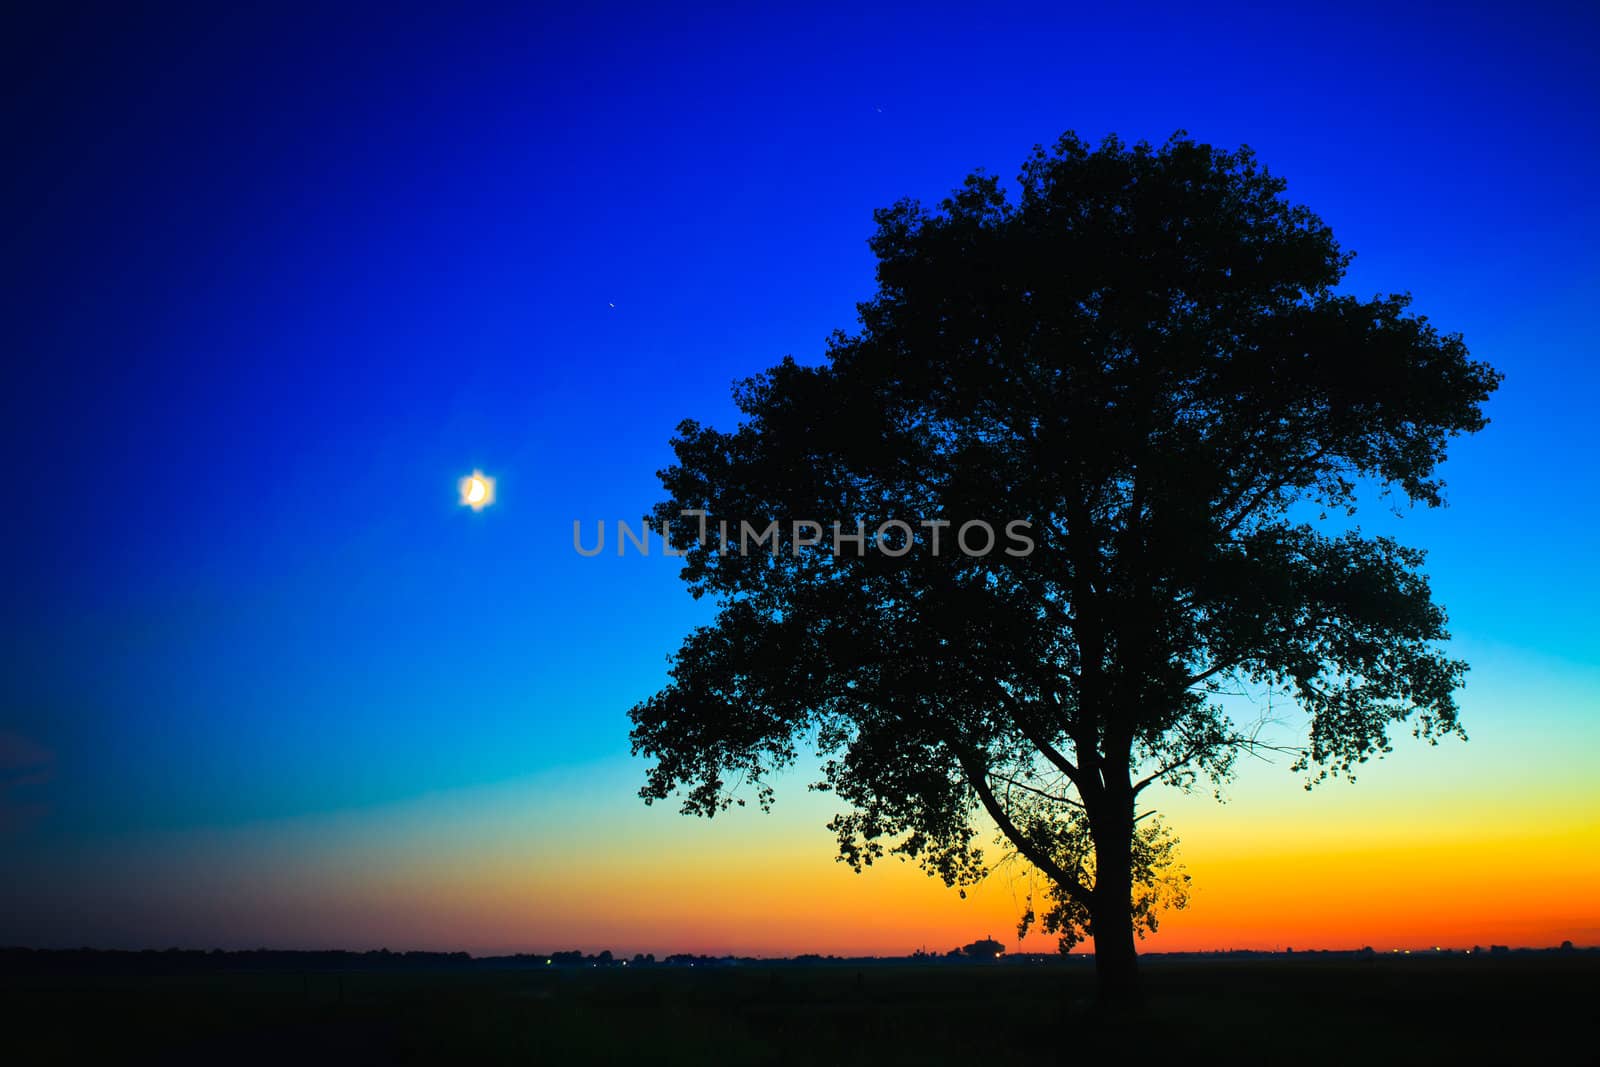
915,954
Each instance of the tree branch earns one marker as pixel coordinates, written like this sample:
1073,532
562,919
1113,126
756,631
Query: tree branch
1046,794
977,777
1050,752
1246,744
1267,490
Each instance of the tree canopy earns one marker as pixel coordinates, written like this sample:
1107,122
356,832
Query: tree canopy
1141,356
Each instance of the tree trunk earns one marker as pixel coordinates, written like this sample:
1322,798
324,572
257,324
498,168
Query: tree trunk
1116,960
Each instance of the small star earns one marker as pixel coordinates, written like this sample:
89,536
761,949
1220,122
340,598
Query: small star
611,305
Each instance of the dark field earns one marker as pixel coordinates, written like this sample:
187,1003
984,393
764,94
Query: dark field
1518,1009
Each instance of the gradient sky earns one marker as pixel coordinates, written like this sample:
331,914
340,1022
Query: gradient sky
272,283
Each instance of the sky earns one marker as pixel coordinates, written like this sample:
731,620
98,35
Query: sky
274,281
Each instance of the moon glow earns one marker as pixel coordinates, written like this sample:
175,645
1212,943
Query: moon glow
477,491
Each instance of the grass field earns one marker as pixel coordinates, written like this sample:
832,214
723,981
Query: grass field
1519,1009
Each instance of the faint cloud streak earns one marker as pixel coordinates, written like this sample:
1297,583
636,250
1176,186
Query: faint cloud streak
24,764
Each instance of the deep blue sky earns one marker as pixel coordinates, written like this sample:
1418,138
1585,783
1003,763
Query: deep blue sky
273,282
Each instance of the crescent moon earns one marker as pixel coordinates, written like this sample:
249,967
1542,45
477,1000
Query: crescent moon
476,491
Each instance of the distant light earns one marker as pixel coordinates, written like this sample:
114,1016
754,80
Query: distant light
477,491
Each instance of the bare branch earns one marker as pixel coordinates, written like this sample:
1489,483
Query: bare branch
977,777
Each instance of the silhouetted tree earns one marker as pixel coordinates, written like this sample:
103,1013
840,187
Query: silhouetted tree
1143,357
985,949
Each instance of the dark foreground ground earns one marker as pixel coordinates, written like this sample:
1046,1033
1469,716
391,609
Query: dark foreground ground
1510,1010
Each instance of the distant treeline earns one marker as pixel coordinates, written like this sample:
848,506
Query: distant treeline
185,961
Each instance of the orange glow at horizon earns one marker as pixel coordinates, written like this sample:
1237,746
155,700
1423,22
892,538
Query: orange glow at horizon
771,904
574,864
1418,854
